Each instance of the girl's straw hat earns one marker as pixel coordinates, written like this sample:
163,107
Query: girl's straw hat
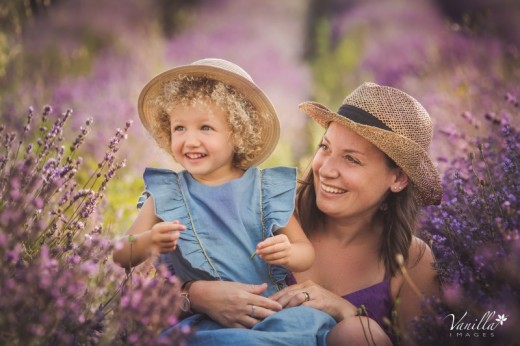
394,122
228,73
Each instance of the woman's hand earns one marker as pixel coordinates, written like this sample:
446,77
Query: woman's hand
232,304
313,295
350,327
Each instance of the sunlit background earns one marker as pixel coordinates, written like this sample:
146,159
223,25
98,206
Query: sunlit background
458,58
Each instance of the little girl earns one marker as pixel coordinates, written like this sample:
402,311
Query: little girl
221,218
209,220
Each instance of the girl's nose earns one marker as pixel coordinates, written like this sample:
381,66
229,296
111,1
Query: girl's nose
192,140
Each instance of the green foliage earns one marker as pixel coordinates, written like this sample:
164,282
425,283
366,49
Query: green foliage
282,156
120,209
336,65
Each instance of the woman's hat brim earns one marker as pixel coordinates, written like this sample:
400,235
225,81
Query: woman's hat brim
407,154
149,110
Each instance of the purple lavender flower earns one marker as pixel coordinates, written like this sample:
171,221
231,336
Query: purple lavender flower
57,281
473,235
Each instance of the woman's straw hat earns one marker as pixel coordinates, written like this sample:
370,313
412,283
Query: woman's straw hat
228,73
394,122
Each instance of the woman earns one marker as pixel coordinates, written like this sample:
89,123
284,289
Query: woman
359,206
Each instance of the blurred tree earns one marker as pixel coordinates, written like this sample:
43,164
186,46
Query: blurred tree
173,14
318,11
498,18
14,14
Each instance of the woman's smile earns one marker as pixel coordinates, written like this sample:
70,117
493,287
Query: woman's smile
332,189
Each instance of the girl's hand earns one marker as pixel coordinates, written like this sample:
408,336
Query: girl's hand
232,304
313,295
164,235
275,250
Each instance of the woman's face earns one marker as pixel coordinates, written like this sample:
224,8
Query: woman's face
351,175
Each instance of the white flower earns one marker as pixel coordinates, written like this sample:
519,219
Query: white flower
501,319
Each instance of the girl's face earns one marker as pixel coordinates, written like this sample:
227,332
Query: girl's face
351,175
201,143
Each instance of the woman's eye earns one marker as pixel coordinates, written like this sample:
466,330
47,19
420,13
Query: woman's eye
351,159
205,128
178,128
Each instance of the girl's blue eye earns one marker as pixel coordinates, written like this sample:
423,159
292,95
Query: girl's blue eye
178,128
205,128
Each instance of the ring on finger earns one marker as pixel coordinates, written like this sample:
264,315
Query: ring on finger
253,310
307,296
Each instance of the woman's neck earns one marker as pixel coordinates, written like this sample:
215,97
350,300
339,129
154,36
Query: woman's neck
348,232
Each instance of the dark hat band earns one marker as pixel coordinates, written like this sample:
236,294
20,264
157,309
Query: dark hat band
361,116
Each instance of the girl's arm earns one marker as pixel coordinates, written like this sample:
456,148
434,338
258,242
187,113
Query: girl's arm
289,248
147,236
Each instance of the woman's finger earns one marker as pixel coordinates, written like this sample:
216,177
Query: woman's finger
287,290
255,298
261,313
249,322
288,297
266,303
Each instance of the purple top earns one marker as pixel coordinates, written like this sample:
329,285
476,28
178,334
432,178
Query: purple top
376,299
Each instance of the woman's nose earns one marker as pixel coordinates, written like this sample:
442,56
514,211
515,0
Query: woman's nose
329,168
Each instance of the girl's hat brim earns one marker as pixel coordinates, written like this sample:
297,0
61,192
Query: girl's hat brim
407,154
228,73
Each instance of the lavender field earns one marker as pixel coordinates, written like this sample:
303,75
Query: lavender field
73,151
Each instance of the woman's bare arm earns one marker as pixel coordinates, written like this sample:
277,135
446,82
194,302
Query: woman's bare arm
420,281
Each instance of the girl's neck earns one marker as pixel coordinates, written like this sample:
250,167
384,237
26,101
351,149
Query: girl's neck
233,174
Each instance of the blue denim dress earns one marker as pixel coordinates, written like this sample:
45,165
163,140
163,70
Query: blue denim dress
223,226
224,223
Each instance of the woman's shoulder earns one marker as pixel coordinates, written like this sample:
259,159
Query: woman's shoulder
420,254
419,269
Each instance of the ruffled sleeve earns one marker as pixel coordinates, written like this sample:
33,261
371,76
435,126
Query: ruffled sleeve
163,186
278,193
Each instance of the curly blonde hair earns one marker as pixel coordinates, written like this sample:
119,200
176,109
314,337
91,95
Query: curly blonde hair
243,119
